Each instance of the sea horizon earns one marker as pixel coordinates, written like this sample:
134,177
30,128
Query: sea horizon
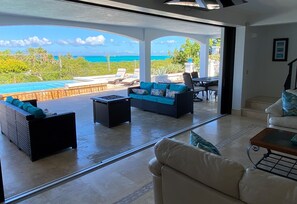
123,58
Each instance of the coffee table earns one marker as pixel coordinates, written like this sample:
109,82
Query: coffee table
280,158
111,110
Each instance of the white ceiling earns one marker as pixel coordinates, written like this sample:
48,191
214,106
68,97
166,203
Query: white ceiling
255,12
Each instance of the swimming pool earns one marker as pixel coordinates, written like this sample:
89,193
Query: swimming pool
33,86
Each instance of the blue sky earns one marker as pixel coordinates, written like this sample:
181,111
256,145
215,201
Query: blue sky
76,41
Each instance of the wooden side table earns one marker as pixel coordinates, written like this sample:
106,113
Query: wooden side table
111,110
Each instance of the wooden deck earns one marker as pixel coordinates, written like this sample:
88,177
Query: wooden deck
51,94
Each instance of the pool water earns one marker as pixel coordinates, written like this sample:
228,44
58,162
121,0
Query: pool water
33,86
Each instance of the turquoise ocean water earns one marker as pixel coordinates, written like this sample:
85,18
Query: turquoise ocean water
116,58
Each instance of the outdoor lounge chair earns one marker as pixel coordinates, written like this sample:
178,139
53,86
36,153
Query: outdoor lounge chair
120,75
132,79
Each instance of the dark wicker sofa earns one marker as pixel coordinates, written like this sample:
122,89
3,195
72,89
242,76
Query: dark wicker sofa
183,103
37,137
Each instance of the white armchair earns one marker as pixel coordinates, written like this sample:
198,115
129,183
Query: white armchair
276,119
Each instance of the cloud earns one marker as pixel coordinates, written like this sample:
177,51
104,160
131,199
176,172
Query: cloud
92,40
31,41
171,41
165,42
112,40
63,42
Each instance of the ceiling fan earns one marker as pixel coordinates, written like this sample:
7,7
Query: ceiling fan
205,4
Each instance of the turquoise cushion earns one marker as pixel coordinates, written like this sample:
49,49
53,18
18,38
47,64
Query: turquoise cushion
199,142
161,86
150,98
146,85
20,105
9,99
157,92
37,112
136,96
16,102
180,88
26,105
289,102
164,100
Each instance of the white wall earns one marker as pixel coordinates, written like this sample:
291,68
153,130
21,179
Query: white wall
262,76
237,97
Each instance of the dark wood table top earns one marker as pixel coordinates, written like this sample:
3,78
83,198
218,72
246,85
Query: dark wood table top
275,139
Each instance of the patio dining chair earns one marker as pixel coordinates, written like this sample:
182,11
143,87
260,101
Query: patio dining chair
196,89
196,75
213,89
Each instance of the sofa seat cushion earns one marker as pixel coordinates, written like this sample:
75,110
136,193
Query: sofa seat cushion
136,96
288,121
258,186
157,99
164,100
150,98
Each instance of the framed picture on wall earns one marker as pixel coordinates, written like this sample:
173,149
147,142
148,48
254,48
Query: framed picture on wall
280,49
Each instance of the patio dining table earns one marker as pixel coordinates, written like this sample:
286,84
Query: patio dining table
206,82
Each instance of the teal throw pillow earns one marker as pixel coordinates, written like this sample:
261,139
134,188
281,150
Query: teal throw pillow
161,86
170,94
178,87
26,105
147,86
37,112
157,92
9,99
199,142
289,102
17,102
140,91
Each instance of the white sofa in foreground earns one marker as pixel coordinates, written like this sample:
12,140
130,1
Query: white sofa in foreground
186,174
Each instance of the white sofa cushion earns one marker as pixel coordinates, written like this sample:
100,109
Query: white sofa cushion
287,122
261,187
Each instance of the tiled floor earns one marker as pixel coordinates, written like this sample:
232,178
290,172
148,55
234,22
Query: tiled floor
120,182
96,143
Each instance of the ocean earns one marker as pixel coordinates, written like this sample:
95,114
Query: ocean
116,58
